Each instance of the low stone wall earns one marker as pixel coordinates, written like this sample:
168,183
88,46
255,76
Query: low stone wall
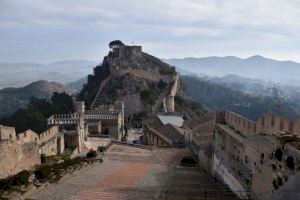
53,146
15,158
95,142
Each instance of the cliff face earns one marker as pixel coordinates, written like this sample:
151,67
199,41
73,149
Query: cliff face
124,73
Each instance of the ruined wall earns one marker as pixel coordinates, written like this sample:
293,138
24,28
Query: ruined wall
15,158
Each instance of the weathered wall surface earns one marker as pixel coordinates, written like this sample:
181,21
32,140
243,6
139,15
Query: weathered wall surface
201,143
22,151
95,142
53,146
7,133
15,158
246,153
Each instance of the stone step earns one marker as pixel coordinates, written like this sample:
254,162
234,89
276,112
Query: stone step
210,197
198,192
96,194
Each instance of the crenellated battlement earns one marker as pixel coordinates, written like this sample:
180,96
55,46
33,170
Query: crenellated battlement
267,124
9,133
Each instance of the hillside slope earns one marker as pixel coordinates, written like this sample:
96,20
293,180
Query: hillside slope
123,75
13,98
215,96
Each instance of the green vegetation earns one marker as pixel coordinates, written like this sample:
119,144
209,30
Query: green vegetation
188,108
167,70
62,103
91,154
290,162
161,84
35,116
148,96
16,180
278,154
101,149
215,96
115,44
45,171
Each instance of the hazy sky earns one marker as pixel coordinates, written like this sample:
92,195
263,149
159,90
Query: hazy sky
51,30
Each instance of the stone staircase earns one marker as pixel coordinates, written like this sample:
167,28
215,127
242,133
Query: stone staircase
192,183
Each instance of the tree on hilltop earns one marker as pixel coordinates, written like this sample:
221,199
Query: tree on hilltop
115,44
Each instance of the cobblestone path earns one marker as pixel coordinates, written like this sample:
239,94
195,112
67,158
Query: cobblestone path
127,173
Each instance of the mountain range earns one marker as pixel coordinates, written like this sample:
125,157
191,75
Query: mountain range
252,67
21,74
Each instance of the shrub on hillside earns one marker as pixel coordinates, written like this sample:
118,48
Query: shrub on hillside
148,96
91,154
16,180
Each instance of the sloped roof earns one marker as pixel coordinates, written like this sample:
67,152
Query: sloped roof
171,119
168,130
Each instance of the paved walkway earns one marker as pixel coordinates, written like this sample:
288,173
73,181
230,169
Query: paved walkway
126,173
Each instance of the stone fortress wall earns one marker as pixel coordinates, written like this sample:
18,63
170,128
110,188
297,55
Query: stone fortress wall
252,157
267,124
23,150
169,101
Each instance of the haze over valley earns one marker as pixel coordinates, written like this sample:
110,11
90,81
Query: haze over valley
150,100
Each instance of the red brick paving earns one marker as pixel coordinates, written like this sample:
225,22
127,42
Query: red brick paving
123,177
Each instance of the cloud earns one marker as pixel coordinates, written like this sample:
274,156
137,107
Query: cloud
253,25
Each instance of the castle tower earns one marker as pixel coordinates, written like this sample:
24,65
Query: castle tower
80,109
170,105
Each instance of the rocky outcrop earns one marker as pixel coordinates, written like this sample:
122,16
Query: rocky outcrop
123,74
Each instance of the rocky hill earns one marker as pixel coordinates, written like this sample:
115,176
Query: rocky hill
126,73
13,98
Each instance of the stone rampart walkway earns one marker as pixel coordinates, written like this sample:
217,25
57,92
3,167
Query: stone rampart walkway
127,173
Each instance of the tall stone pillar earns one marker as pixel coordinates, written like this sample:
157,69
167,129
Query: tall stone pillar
80,109
170,105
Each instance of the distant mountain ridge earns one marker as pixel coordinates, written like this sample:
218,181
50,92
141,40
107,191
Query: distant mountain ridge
253,67
61,71
213,95
13,98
